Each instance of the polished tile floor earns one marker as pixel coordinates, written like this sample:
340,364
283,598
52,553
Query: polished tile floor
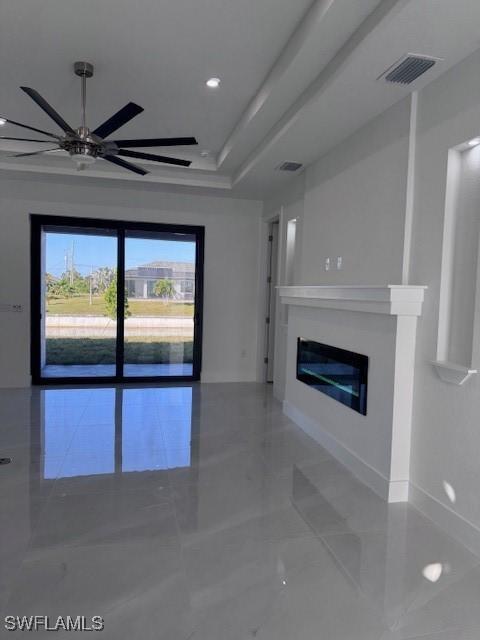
202,513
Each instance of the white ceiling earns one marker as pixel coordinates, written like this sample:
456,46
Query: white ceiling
297,77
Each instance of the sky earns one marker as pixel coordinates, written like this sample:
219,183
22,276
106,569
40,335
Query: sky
137,452
91,252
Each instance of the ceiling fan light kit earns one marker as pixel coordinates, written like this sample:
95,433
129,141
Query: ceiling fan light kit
85,146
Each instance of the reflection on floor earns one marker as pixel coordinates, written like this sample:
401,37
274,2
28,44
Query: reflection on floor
201,512
108,370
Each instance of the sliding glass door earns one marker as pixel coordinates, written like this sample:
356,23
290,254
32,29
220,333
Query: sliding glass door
115,300
78,327
160,286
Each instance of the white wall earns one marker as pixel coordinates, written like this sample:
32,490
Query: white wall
354,206
446,438
287,205
231,262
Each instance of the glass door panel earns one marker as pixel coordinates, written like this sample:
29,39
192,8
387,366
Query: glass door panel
160,304
78,302
115,300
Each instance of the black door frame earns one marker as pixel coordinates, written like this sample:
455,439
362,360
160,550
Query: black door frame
120,227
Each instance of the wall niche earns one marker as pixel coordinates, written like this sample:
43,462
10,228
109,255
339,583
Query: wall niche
459,310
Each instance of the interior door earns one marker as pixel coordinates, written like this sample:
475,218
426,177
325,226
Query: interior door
272,298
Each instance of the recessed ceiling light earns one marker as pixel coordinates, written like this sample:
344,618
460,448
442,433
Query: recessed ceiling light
3,121
474,142
213,83
205,153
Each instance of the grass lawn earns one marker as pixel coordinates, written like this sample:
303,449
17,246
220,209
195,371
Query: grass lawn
80,306
102,351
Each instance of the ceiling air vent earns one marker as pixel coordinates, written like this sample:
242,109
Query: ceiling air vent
289,166
409,68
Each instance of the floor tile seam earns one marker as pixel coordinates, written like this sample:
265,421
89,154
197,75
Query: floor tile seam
374,530
127,600
465,628
221,463
365,595
66,494
409,607
337,472
280,594
362,595
430,634
463,575
36,554
180,540
445,532
34,527
197,544
42,515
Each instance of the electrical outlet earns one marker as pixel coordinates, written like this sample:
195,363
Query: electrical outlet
339,263
327,264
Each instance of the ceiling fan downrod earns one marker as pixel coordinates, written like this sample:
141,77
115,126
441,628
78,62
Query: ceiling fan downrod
84,70
82,154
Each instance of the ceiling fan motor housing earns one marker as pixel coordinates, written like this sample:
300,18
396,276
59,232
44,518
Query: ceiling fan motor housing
83,69
85,149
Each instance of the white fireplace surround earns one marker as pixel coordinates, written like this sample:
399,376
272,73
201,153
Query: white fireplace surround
396,300
404,303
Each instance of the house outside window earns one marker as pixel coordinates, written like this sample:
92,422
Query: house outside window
140,281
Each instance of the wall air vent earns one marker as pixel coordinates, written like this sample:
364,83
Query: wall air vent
409,68
289,166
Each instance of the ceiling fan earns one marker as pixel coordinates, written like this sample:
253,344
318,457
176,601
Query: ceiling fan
85,146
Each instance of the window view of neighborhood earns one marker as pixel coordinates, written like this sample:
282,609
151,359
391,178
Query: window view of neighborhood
80,303
160,294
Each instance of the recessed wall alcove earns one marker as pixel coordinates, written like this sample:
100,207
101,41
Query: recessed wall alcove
457,356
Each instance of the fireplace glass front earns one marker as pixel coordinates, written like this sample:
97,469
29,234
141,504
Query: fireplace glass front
338,373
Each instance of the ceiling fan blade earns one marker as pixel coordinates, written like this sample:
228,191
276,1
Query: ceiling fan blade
118,119
25,139
125,164
156,142
33,153
49,110
26,126
155,158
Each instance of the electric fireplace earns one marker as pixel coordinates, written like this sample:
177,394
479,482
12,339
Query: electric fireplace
338,373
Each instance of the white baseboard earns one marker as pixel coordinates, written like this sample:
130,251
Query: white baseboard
446,518
442,515
363,471
398,491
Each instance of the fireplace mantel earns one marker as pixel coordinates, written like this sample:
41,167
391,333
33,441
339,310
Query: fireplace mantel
394,300
391,375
